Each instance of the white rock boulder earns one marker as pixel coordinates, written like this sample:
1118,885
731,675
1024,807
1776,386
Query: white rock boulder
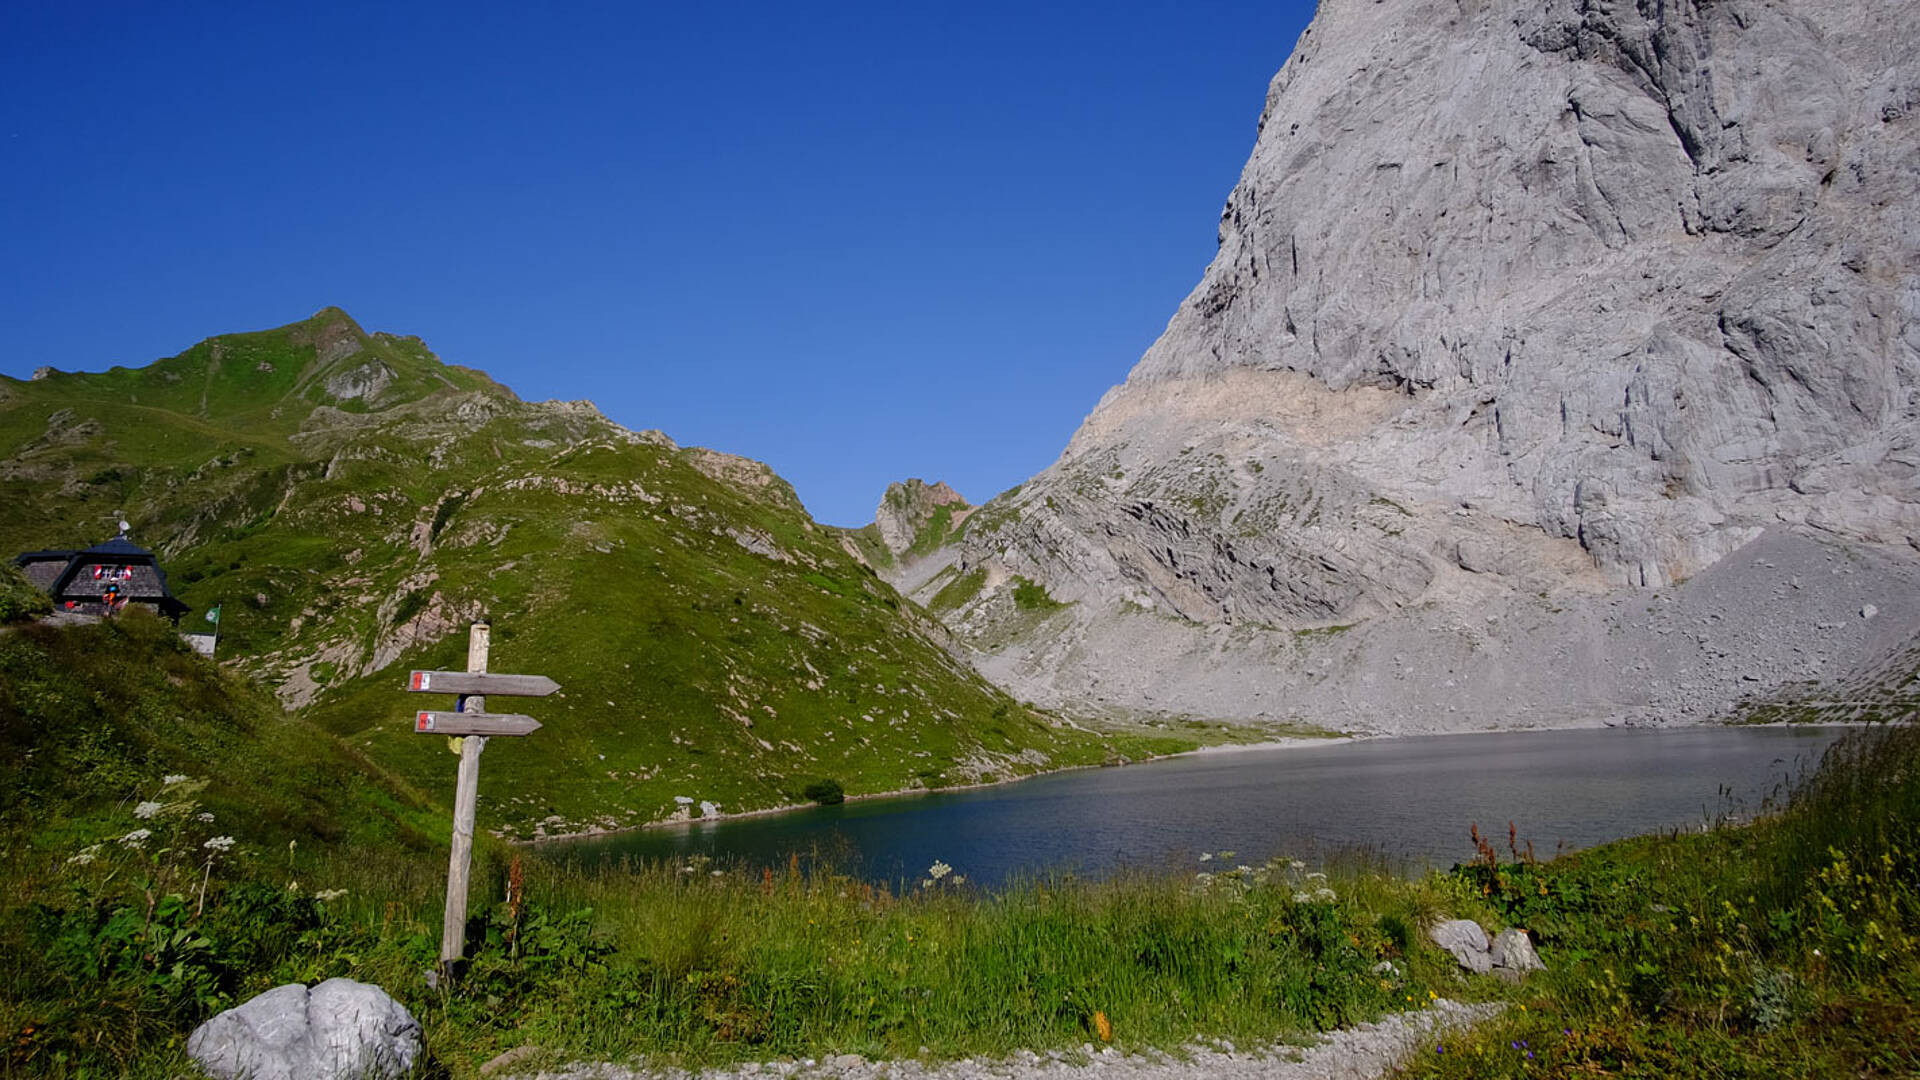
1468,944
338,1030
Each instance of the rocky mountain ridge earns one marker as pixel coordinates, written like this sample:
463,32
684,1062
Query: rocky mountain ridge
1522,314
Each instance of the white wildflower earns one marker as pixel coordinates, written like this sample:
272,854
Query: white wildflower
146,810
938,870
1206,856
85,855
173,778
219,843
1296,864
329,894
959,880
136,837
204,817
1244,868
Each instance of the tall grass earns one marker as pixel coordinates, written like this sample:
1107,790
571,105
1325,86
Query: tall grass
1785,948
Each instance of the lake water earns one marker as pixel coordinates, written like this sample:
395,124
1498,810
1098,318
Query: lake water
1410,801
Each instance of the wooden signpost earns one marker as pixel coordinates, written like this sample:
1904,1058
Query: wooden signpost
470,719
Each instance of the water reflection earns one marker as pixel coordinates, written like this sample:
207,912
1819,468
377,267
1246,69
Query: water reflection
1408,801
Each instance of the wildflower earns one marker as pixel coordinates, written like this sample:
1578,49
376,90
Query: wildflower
1296,864
204,817
173,778
1206,856
85,855
136,837
219,843
329,894
938,870
146,810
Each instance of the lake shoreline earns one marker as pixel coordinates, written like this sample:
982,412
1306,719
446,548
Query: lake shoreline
1291,742
1286,742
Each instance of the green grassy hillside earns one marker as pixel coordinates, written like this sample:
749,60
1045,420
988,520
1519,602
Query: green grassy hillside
352,503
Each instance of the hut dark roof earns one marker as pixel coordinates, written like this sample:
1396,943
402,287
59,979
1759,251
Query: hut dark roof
82,582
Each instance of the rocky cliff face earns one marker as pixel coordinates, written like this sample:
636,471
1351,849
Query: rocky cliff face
917,513
1513,300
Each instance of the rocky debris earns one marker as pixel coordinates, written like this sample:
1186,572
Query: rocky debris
1520,308
1480,653
502,1062
44,372
1362,1052
338,1030
1465,942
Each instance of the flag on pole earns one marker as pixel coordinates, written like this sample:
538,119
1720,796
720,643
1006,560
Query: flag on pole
213,614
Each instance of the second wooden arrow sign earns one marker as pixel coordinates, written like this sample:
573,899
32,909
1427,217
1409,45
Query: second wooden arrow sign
459,723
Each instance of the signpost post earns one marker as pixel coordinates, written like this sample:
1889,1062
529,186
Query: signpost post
471,720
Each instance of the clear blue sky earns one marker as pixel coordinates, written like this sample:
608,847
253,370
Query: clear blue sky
858,242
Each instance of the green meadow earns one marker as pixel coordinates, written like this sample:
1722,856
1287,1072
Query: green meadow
174,843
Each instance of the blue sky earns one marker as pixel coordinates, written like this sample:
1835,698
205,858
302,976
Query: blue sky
858,242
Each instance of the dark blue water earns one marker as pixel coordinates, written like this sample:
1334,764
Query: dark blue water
1407,801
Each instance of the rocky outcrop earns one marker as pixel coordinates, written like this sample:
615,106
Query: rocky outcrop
907,510
1512,300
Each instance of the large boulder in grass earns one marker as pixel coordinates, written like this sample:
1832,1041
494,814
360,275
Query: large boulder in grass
1513,951
1468,944
338,1030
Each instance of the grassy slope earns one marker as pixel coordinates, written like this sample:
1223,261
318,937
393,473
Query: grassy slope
91,715
714,643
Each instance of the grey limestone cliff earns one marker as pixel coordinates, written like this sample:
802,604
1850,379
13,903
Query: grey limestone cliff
1513,300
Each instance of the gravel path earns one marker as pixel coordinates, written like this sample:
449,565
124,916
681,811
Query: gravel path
1357,1053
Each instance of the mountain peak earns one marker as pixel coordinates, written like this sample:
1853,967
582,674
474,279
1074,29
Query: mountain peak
915,517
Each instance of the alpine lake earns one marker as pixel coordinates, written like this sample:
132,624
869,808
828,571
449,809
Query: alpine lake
1406,803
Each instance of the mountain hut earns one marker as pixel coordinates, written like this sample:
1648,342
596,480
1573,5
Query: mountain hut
103,579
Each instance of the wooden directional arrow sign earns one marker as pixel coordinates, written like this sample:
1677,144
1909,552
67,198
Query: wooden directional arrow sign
476,682
460,723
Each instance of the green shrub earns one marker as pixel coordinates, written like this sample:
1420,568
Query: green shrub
19,599
825,792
